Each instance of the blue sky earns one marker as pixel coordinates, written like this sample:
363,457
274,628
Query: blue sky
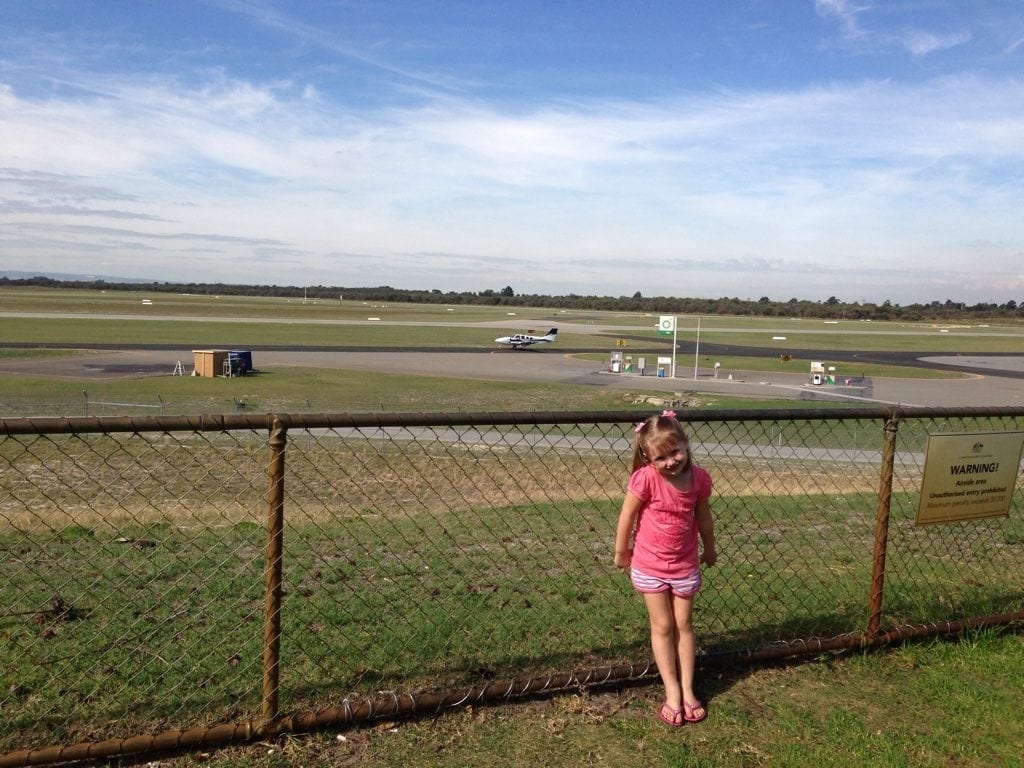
869,150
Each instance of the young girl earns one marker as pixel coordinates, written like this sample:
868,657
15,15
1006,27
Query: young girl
665,508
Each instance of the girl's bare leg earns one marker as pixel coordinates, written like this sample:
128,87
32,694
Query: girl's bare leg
665,645
686,649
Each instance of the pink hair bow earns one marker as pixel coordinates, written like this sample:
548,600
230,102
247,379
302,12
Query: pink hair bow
641,424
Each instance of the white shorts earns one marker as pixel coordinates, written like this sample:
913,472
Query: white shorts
684,587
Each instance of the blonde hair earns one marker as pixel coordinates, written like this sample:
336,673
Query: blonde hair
653,431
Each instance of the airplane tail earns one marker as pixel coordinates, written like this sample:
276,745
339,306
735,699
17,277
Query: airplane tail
552,332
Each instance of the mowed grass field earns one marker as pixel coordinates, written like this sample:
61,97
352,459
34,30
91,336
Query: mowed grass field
932,703
53,317
122,317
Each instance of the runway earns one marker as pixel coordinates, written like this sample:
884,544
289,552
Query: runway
995,381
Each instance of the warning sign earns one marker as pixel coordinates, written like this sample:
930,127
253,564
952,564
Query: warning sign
968,476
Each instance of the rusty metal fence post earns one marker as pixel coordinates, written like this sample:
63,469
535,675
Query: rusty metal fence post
882,525
274,566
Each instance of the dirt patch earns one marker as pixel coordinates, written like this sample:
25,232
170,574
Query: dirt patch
100,365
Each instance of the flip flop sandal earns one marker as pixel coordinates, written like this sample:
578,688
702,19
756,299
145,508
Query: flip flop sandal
675,718
689,709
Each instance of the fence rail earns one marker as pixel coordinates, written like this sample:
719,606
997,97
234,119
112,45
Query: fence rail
221,578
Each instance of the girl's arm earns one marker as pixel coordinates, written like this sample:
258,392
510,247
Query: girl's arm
631,506
706,529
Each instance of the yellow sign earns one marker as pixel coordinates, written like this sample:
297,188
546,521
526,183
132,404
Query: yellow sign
968,476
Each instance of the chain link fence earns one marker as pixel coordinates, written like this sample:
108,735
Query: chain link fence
215,579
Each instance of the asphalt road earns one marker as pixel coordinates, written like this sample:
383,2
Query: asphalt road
993,380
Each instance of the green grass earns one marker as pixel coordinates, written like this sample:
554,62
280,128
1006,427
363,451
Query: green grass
379,598
199,334
919,338
321,390
937,702
862,709
18,354
252,322
298,390
119,656
446,332
163,558
84,302
263,320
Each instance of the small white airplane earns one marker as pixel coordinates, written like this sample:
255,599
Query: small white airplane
520,340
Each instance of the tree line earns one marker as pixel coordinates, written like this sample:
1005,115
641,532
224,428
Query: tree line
831,308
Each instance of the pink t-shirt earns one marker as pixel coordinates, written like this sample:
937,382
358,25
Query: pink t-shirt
665,541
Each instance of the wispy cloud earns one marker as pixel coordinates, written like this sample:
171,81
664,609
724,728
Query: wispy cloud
268,16
727,174
857,32
922,43
845,12
11,207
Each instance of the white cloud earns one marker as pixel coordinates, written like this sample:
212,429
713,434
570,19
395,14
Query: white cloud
857,32
922,43
754,186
